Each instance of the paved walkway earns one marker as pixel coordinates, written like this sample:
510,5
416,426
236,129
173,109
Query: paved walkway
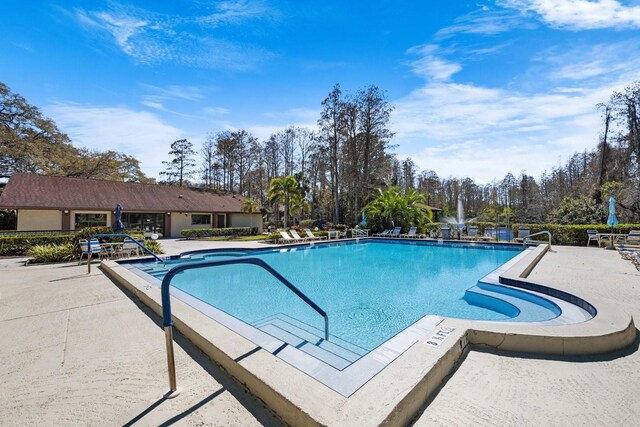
492,389
78,350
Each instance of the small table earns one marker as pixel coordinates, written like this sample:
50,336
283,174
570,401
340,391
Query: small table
610,238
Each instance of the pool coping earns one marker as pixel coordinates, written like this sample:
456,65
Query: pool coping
395,394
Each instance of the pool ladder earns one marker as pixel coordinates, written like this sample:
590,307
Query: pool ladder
167,321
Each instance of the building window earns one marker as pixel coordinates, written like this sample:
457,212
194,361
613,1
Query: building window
199,219
90,220
136,221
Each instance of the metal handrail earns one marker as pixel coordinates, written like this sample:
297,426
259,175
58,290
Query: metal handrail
359,232
167,321
539,233
144,248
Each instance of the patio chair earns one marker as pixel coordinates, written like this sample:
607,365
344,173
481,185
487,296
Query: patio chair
445,232
286,238
593,236
522,233
472,233
411,233
95,249
311,236
489,234
129,248
395,232
333,234
383,233
297,237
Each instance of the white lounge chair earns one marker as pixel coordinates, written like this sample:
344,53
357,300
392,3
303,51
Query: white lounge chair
285,238
383,233
395,232
411,233
633,238
311,236
297,237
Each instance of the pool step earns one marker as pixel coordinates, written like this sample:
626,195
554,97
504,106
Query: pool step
511,302
337,353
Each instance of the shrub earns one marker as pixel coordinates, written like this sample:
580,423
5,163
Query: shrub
306,223
154,246
219,232
52,253
19,245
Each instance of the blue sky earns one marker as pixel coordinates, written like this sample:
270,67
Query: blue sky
479,88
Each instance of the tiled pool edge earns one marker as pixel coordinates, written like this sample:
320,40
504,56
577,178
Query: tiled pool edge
397,392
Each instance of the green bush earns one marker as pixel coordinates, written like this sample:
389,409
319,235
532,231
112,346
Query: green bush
19,245
306,223
574,235
219,232
52,253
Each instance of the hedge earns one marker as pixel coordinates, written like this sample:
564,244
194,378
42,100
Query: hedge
219,232
19,245
573,235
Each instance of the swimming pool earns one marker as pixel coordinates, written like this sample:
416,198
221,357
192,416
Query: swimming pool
370,289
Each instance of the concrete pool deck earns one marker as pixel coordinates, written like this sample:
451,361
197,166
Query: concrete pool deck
91,372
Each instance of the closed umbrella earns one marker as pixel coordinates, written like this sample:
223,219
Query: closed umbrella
117,224
612,221
364,220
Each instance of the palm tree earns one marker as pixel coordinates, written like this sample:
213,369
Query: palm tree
250,206
298,205
280,190
393,208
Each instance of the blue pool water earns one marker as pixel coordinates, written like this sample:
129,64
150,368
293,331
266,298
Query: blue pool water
370,290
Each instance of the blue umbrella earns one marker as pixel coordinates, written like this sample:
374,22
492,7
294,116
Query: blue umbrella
364,220
612,221
117,224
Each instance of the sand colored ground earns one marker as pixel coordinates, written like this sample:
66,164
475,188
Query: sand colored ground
78,350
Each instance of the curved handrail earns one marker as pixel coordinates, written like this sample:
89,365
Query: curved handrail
539,233
167,322
166,281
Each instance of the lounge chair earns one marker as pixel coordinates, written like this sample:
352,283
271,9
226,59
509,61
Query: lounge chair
395,232
297,237
128,248
383,233
633,238
489,234
285,238
593,236
311,236
472,233
411,233
522,233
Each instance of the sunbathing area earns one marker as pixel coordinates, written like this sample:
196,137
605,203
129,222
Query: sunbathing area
126,382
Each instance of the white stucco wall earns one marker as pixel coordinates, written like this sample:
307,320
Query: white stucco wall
36,220
182,221
245,220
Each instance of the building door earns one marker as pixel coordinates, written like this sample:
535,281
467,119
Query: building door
222,221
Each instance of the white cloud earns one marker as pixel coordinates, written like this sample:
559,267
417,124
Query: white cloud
430,65
468,130
485,21
137,133
149,37
581,14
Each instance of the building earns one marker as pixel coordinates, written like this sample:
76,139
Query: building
60,203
